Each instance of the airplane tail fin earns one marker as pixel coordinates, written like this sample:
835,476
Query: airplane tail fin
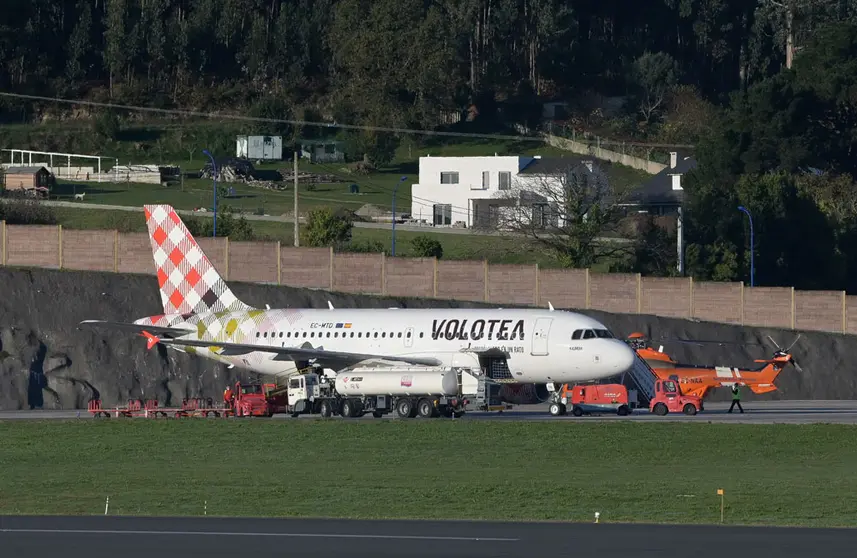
187,279
769,373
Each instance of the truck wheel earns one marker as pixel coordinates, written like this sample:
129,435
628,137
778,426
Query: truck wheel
689,409
660,409
577,411
404,408
426,409
622,411
347,409
377,414
325,410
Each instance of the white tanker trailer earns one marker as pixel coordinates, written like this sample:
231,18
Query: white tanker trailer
410,391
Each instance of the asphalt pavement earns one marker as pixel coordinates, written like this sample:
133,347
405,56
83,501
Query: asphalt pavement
756,412
139,537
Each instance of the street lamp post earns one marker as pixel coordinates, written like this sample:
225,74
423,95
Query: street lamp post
395,189
752,246
214,178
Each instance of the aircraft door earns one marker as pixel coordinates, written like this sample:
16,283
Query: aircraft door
409,337
540,336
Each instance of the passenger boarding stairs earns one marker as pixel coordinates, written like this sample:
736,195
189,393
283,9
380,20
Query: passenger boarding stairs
644,379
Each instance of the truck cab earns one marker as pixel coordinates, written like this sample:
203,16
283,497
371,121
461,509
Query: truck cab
303,391
251,401
669,399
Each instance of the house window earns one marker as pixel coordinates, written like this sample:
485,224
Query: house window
505,180
486,179
442,214
329,149
541,215
449,178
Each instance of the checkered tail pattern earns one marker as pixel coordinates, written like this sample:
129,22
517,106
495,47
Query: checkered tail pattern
188,281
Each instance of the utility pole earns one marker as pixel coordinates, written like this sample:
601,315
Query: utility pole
297,223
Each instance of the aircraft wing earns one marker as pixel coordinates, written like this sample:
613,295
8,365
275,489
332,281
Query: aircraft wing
334,359
139,328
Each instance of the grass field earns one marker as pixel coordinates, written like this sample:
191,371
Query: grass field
772,474
455,246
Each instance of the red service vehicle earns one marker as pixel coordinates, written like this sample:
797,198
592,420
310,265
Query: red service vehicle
595,398
251,401
669,399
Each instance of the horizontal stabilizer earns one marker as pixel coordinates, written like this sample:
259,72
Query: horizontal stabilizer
138,328
762,388
302,353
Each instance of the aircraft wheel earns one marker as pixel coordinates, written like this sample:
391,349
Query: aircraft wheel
557,409
689,409
404,408
623,410
660,410
577,411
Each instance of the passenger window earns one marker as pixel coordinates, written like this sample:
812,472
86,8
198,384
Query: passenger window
328,334
257,334
409,335
589,334
352,334
421,335
266,334
400,335
384,334
578,334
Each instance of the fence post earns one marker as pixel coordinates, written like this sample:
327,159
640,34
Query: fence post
691,297
588,293
116,251
793,307
434,278
844,313
226,259
639,293
538,297
59,246
742,302
5,258
383,273
330,270
486,296
279,264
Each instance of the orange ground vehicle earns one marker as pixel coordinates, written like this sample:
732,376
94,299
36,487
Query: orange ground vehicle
595,398
669,399
699,380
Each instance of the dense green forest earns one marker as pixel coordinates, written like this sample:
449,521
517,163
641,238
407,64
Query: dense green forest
765,89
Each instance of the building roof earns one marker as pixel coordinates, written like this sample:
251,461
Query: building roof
553,165
659,190
24,170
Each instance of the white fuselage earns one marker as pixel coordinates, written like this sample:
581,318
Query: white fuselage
539,343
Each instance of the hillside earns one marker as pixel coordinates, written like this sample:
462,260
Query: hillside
47,362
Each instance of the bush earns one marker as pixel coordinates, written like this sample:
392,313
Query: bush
236,228
27,212
327,228
423,246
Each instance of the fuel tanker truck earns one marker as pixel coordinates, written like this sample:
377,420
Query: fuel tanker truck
410,391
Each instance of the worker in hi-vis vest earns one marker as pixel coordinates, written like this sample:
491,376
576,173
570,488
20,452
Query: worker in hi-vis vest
227,397
736,398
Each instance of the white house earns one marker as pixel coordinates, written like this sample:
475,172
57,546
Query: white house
466,191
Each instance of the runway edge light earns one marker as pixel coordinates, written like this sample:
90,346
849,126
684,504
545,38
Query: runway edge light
720,493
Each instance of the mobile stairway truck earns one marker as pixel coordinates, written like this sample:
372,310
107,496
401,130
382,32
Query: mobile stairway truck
409,390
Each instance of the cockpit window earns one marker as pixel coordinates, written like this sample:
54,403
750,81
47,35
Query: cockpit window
577,334
589,334
603,333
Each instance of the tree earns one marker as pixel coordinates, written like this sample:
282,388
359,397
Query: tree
568,213
325,227
424,246
654,75
228,225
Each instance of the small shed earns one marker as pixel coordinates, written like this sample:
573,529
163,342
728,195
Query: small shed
323,151
264,148
27,178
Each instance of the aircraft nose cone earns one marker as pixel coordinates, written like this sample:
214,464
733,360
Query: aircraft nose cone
625,358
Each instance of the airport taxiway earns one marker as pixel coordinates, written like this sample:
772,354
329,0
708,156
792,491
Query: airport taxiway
144,537
756,412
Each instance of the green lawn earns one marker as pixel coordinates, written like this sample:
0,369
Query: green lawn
772,474
455,246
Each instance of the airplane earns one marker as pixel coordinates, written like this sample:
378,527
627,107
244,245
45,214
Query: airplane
203,317
700,380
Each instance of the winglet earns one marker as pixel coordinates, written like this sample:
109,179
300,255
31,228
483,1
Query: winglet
550,306
151,340
330,305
